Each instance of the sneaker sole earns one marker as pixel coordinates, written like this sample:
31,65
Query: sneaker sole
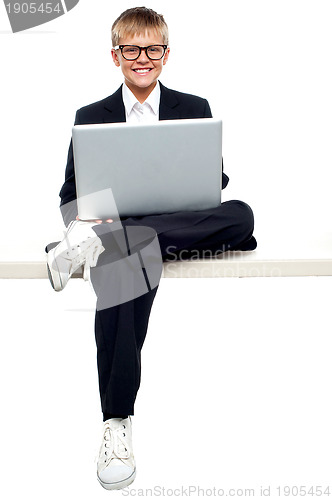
118,485
50,276
54,275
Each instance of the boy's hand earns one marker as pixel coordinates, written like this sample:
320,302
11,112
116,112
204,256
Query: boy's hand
97,221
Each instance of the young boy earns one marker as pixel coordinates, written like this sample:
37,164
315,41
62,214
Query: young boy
140,50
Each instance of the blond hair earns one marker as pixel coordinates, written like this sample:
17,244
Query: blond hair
136,21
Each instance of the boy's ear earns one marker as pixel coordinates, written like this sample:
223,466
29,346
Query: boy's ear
115,58
166,56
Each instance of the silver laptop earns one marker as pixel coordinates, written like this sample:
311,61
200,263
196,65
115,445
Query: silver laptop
126,169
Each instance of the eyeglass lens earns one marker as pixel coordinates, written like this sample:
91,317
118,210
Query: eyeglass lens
153,52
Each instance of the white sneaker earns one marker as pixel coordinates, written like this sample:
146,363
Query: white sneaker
80,246
116,464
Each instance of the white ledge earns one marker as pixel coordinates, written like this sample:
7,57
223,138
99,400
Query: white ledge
229,265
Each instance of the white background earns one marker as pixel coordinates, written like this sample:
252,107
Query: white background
235,390
263,65
236,373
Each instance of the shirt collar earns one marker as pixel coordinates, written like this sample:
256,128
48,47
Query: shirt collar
130,100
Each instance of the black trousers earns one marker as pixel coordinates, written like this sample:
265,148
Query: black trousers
120,330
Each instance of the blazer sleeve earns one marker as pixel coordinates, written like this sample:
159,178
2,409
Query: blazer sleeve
68,203
225,178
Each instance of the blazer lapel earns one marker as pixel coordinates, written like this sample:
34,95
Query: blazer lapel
114,110
169,104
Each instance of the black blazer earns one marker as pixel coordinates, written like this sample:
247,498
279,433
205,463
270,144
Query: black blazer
173,105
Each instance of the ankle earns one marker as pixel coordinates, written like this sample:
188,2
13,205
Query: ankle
107,416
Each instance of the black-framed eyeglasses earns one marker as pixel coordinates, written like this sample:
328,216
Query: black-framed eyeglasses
132,52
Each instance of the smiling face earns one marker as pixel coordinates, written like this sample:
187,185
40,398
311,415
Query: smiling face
142,74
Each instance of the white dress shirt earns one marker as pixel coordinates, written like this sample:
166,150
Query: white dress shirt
147,112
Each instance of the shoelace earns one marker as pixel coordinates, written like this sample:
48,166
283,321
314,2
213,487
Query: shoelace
89,257
86,253
115,445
